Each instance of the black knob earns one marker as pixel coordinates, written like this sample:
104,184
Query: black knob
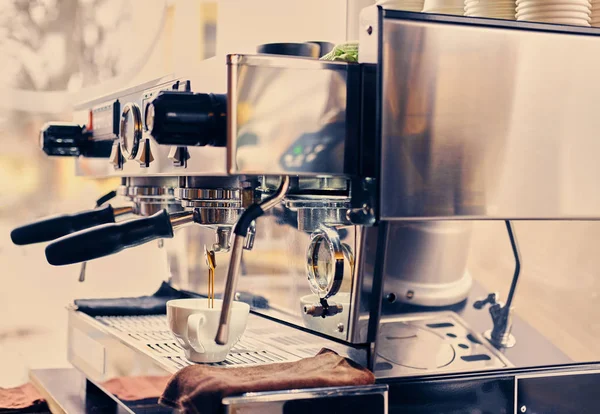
188,119
55,227
72,140
308,49
108,239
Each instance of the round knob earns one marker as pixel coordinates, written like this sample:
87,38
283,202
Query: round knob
71,140
188,119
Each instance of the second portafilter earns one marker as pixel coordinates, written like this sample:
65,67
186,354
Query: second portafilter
214,202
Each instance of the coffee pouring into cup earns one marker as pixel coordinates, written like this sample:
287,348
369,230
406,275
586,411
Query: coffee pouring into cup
194,325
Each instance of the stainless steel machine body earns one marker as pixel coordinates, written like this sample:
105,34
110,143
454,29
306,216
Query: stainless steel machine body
445,120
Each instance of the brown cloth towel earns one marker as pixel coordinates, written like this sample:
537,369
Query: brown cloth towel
137,388
199,389
25,398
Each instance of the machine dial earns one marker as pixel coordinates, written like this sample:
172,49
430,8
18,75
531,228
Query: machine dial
325,262
188,119
130,130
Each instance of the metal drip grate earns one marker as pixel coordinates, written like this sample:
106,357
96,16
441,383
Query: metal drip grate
151,335
298,343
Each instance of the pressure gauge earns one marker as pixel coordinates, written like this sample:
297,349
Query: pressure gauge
131,130
325,262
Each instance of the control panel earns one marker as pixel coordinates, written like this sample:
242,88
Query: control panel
162,127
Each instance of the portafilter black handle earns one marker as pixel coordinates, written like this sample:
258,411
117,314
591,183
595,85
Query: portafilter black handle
108,239
54,227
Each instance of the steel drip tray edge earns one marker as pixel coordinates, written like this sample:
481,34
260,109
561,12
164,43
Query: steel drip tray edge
109,346
432,343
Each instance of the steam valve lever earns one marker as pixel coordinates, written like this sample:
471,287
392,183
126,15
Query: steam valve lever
491,299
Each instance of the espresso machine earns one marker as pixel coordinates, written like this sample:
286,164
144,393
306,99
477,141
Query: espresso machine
338,200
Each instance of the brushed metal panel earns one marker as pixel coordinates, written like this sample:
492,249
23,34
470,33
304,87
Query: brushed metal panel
289,115
488,122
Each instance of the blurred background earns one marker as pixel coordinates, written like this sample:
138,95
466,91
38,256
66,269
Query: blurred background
55,53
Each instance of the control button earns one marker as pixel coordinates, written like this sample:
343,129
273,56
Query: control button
115,158
311,157
288,159
144,156
179,156
319,148
298,160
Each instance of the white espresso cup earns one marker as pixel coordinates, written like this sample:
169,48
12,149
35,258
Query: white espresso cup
194,326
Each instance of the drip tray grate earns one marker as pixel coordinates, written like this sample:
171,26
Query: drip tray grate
151,335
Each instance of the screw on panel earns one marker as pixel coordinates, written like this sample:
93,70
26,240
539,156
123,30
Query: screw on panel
410,294
340,327
523,408
369,30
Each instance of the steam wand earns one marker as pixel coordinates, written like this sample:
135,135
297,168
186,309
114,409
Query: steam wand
241,231
500,335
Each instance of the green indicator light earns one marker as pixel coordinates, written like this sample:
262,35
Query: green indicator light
297,150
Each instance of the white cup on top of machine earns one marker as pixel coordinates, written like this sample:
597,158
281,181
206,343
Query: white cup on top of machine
456,7
405,5
570,12
194,325
595,13
494,9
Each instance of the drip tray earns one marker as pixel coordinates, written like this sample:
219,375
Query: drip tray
429,343
260,344
414,344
